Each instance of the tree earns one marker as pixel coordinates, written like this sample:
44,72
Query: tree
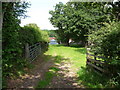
75,20
115,9
12,12
59,19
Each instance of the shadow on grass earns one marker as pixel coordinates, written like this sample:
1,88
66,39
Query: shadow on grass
91,79
57,59
75,46
81,50
52,70
58,45
58,75
39,74
63,78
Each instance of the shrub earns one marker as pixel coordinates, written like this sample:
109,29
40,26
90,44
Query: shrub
106,42
13,59
32,34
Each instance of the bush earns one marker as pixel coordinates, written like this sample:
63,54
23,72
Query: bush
13,52
32,34
106,42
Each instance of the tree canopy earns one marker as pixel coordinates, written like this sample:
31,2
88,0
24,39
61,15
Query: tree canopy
75,20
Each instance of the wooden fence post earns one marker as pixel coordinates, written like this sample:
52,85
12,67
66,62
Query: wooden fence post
87,57
27,52
95,58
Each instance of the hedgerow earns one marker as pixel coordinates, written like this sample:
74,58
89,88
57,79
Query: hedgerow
32,34
11,45
106,42
14,37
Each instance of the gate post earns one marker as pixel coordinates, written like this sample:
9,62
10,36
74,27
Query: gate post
27,52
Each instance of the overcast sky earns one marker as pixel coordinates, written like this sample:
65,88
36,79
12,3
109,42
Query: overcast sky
39,13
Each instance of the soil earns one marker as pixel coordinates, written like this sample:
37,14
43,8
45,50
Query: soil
65,77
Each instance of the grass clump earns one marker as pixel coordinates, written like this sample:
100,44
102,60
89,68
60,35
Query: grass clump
46,81
48,77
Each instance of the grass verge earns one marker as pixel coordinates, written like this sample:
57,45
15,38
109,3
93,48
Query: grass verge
91,79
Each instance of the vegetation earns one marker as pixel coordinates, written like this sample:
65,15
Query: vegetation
91,79
12,58
15,38
76,20
55,52
48,77
106,42
92,23
86,77
51,33
32,34
107,38
75,54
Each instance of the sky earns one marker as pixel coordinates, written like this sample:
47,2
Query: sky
39,13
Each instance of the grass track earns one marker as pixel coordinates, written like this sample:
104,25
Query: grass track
77,56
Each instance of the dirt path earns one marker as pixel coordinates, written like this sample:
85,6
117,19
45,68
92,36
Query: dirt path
65,77
31,79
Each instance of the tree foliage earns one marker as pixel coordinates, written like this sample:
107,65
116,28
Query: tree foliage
106,42
115,9
31,34
75,20
15,37
12,11
51,33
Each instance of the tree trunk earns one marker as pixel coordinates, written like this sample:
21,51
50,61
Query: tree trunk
67,42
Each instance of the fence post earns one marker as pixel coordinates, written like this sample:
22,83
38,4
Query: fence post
87,57
27,52
95,58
